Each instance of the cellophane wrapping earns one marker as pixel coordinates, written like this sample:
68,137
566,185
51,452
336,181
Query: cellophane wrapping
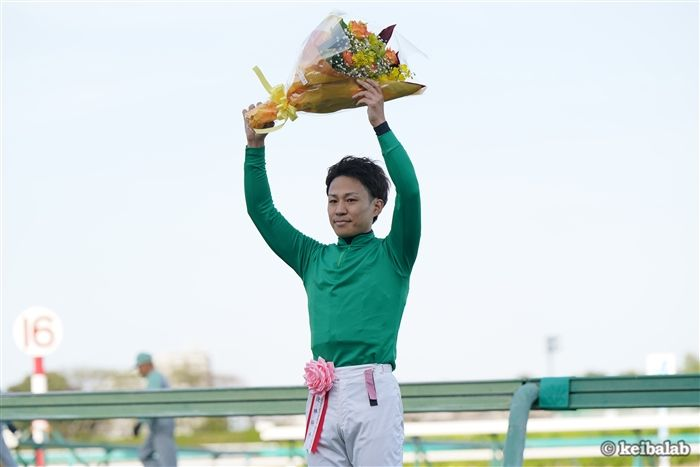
334,56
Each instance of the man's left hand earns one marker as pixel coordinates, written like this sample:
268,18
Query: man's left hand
371,96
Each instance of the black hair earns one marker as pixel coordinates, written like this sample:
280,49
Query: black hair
365,170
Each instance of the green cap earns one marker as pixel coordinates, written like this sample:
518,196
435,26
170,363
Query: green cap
143,358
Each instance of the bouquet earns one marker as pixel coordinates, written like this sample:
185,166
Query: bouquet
334,56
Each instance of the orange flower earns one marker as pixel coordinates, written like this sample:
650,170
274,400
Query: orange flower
392,57
347,57
358,29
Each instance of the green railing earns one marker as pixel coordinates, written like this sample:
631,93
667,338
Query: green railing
541,394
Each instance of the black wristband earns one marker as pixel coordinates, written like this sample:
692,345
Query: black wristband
382,128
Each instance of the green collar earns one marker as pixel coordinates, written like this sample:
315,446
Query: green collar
360,239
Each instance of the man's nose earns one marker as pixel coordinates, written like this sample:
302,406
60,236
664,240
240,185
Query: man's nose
340,208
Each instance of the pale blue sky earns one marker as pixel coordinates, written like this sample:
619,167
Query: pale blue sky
556,147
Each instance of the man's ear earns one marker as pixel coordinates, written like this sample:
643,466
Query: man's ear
377,206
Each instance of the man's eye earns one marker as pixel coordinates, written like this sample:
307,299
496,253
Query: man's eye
351,200
332,201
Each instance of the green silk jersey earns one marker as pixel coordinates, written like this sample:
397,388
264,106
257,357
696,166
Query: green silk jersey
356,290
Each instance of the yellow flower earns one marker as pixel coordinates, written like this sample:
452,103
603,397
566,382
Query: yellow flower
373,39
362,58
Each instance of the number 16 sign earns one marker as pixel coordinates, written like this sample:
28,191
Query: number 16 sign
38,331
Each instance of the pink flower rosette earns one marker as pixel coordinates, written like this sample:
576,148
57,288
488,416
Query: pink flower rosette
319,375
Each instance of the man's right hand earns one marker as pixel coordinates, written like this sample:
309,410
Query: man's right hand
254,140
137,429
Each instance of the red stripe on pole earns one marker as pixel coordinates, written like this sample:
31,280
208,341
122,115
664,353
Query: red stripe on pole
38,365
39,457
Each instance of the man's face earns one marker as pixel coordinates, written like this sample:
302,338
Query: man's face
145,368
350,207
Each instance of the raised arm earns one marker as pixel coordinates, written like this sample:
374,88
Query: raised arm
287,242
404,237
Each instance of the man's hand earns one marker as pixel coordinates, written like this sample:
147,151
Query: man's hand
137,429
254,140
372,97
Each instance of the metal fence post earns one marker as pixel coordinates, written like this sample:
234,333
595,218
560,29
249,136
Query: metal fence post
517,424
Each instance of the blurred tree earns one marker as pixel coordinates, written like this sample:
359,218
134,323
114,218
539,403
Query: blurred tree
56,382
593,374
214,424
691,364
180,374
67,428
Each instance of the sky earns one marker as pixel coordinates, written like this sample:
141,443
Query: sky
556,147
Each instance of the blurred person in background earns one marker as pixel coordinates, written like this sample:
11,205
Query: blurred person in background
6,459
159,450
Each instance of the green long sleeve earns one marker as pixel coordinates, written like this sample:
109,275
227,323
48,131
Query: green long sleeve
293,247
404,237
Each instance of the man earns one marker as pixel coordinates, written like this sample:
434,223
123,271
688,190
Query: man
356,291
6,459
159,449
